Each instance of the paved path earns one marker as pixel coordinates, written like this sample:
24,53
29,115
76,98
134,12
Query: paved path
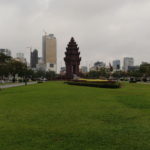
15,85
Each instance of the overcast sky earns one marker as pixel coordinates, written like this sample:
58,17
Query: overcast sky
104,29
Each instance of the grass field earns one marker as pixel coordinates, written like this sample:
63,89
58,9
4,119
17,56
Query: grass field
55,116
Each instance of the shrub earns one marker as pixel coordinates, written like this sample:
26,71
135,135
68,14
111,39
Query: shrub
100,84
144,79
20,80
133,80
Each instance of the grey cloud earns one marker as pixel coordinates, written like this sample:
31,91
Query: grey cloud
104,29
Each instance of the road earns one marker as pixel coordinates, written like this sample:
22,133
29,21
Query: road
15,85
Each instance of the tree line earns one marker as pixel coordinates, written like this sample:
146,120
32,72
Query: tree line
11,67
14,68
143,72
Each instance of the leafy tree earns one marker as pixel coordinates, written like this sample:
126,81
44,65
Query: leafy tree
4,58
50,75
145,69
93,74
4,69
135,73
120,74
102,72
40,74
17,68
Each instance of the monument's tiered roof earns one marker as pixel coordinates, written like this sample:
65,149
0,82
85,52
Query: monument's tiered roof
72,58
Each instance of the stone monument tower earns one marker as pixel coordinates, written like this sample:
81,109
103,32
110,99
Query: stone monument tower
72,59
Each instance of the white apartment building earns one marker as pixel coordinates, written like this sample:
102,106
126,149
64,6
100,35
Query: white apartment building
127,62
20,57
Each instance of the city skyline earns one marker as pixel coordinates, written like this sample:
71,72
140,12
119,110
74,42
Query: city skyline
105,30
123,64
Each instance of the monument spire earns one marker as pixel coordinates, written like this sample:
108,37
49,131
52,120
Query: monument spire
72,59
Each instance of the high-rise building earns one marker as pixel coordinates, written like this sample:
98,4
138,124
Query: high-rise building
50,52
20,57
116,65
127,62
97,66
63,70
34,58
40,65
5,51
84,69
40,60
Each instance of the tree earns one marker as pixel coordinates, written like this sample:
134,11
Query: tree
40,74
4,58
4,69
9,66
145,69
135,73
93,74
120,74
17,68
50,75
102,72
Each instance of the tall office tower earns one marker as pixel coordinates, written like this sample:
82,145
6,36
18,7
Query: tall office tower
127,62
5,51
50,52
34,58
116,65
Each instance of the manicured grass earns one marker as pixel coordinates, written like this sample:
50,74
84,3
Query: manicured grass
57,116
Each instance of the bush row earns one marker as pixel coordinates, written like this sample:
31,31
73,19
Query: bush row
108,84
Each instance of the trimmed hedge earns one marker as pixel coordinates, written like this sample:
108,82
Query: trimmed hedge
108,84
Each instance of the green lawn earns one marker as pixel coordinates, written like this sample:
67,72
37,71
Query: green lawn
55,116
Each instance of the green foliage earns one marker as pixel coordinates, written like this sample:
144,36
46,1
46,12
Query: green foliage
16,67
40,74
135,73
120,74
145,69
108,84
50,75
56,116
4,67
4,58
102,72
4,70
9,66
